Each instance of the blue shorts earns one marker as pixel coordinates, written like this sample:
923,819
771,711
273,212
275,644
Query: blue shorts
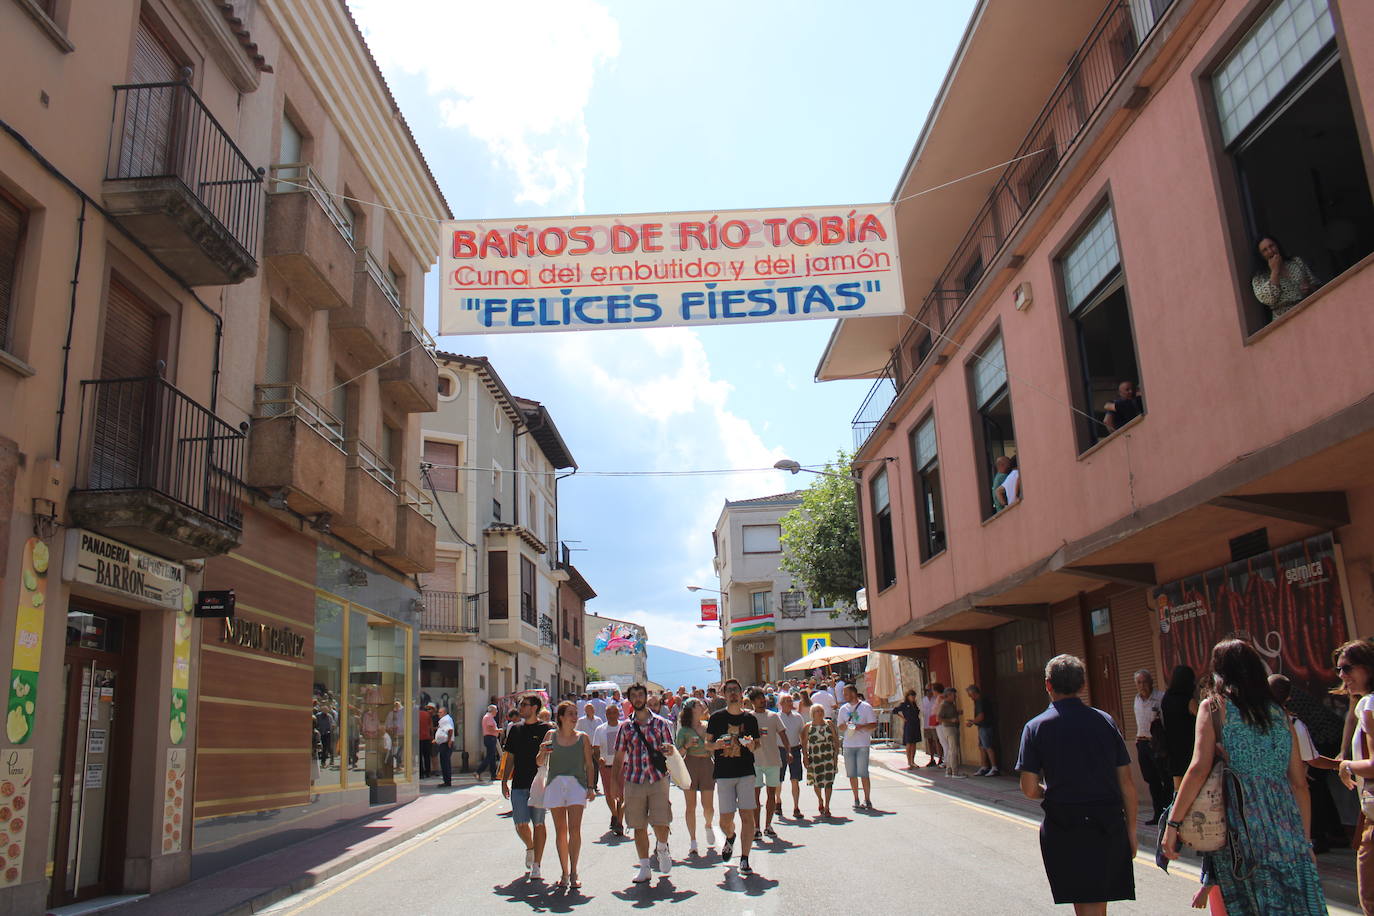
986,736
521,812
793,763
856,762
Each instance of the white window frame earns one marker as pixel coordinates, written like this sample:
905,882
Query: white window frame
744,538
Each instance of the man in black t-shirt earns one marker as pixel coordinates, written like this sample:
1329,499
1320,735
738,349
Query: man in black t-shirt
733,734
522,743
1128,405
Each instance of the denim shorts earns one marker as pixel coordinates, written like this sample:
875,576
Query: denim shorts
986,736
793,763
856,762
521,812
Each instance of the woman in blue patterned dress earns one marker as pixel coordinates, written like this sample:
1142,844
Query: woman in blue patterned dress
1266,867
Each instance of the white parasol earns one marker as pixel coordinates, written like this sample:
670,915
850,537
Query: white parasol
826,655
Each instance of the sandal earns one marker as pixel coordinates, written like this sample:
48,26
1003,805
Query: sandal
576,881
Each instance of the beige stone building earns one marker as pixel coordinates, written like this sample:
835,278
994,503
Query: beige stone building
211,366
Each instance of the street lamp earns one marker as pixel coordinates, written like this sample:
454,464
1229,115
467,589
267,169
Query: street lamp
794,467
702,588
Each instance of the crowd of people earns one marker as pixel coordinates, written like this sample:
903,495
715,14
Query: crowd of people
1274,813
730,751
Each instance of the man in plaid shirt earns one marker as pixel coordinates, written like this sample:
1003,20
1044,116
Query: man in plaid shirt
646,789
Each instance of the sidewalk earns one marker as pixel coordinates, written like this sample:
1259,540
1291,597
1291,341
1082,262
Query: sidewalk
261,882
1337,867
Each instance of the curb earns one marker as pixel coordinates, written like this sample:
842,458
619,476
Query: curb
318,876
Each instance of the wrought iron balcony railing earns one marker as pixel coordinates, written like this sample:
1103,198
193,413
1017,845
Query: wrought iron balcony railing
146,434
164,130
449,612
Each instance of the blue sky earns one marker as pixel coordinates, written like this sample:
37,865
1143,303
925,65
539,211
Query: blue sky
546,108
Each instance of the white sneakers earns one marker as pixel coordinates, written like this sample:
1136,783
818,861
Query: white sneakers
529,859
644,874
534,872
693,850
665,858
710,837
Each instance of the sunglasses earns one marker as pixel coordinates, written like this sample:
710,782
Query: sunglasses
1344,669
525,703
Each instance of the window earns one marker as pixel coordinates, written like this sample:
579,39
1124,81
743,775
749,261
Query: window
497,486
498,590
1101,342
446,458
395,280
527,612
13,221
445,577
793,604
338,403
449,386
760,603
290,150
1288,125
392,442
932,507
762,538
883,555
994,430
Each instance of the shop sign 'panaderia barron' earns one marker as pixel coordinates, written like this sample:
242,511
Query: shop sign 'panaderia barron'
115,567
580,273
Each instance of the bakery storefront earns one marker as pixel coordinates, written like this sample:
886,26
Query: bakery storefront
115,812
306,711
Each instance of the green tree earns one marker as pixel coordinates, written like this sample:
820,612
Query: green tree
593,674
820,541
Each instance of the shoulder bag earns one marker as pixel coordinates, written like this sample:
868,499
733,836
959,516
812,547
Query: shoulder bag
656,757
1204,827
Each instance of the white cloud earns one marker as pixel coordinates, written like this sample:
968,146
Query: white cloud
516,76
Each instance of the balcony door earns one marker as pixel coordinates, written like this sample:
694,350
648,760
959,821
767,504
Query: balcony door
129,351
149,114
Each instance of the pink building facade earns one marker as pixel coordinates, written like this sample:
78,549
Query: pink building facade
1120,247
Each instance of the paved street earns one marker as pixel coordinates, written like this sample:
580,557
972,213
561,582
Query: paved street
921,851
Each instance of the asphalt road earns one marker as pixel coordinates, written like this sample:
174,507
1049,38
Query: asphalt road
920,852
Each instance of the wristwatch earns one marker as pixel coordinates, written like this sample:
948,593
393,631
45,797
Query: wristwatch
1177,825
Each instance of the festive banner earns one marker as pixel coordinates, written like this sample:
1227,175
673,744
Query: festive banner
1285,602
16,778
710,609
181,670
619,639
742,626
579,273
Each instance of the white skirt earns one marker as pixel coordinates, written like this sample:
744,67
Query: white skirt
564,791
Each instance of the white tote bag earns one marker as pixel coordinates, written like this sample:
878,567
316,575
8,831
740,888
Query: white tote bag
537,787
677,769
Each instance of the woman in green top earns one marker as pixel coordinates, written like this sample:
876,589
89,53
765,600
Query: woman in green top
691,742
568,786
820,747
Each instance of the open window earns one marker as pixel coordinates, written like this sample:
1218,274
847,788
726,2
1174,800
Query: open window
1286,118
1101,340
931,511
994,430
885,556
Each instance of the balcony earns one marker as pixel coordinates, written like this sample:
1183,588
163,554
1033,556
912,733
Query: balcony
412,379
369,326
1075,103
514,635
178,183
414,548
449,612
297,447
157,470
368,519
308,239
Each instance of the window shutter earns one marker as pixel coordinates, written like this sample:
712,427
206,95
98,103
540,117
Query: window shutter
1091,259
1284,40
129,349
11,235
925,443
762,538
444,578
989,372
443,479
276,371
289,150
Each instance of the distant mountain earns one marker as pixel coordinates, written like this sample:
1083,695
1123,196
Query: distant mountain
671,668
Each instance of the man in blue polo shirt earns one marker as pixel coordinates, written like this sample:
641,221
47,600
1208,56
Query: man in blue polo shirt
1074,761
